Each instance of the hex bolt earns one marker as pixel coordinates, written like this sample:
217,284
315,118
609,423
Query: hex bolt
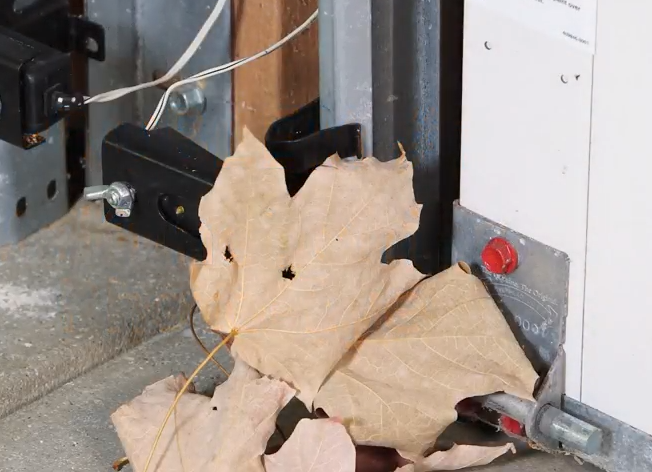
499,256
188,101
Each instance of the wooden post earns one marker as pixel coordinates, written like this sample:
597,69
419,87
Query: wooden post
278,84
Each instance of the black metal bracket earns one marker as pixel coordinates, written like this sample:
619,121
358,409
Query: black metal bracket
87,37
297,143
170,173
50,23
29,72
36,42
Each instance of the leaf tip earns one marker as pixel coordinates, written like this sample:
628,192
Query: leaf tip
465,267
403,155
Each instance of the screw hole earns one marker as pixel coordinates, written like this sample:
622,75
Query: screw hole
52,189
564,79
288,273
21,206
92,46
488,46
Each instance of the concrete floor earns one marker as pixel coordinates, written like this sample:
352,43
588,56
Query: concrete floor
70,429
76,294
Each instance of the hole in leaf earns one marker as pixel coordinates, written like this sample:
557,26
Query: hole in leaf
227,254
288,273
214,408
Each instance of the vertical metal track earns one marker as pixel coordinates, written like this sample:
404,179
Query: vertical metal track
345,63
412,51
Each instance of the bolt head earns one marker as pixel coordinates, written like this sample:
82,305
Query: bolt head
499,256
187,101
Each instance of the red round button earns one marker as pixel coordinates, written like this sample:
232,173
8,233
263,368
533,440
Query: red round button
499,256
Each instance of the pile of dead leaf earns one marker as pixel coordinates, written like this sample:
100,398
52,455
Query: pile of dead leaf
298,286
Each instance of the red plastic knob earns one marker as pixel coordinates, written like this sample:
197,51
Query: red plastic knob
499,256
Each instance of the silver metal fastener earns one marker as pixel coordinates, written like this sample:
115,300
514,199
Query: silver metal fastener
572,432
120,195
188,100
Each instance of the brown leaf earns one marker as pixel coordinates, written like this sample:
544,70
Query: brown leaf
227,433
315,446
378,459
462,457
446,341
300,279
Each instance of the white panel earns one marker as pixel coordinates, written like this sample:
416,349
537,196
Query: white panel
525,143
618,324
572,21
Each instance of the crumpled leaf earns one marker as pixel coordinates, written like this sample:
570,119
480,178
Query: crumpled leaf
462,457
444,342
315,446
227,433
300,279
459,457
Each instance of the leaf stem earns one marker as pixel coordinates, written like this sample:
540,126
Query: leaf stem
191,322
183,390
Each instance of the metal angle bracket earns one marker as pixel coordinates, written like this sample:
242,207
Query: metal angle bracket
550,393
87,37
533,298
530,286
299,145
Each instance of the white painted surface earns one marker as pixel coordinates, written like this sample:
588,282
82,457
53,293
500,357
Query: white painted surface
570,21
525,143
618,307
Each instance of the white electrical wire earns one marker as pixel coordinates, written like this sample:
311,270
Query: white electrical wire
158,113
176,68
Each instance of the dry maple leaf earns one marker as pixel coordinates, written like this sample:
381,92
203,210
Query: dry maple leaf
315,446
462,457
444,342
227,433
298,280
